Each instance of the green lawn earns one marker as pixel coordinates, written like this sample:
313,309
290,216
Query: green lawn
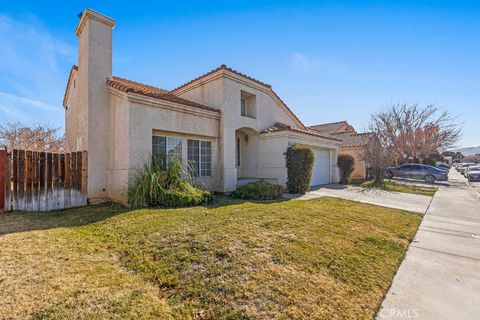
320,259
399,187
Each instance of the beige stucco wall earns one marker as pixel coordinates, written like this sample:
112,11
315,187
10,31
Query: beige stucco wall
119,160
150,116
72,115
274,145
224,92
358,155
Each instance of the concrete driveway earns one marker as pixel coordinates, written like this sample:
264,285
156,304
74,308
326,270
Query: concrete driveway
398,200
440,276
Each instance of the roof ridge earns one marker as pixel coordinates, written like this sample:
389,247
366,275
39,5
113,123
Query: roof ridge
221,67
325,124
345,132
280,126
365,133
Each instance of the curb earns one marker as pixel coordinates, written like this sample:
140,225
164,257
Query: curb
473,189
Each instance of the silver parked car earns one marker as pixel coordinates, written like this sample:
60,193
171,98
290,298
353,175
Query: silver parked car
464,167
473,173
417,171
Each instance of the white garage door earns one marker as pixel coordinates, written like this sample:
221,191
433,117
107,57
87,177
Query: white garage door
321,168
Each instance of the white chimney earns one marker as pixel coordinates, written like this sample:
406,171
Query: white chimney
94,32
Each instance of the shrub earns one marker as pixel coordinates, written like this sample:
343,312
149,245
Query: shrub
345,163
153,186
299,161
259,191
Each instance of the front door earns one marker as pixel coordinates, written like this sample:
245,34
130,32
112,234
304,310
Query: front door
238,156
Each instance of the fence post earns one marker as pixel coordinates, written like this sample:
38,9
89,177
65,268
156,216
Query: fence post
3,184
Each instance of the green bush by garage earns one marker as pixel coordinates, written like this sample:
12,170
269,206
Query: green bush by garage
346,164
299,160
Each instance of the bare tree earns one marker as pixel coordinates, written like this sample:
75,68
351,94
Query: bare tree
379,154
406,132
15,135
472,158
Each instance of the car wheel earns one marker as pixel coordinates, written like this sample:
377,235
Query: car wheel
429,179
389,175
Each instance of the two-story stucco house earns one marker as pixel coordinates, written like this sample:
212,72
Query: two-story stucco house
232,127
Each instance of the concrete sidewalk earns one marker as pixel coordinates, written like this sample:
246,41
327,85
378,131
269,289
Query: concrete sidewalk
397,200
440,276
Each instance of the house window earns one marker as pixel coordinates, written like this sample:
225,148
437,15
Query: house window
205,158
247,105
199,155
193,156
238,152
243,106
166,148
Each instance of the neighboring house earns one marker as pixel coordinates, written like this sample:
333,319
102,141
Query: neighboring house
353,144
231,127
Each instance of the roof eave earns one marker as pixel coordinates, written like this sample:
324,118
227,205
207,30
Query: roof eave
67,88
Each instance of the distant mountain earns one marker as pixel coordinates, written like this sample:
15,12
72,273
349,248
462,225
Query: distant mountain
468,150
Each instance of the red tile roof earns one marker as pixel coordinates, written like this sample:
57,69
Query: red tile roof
349,137
224,67
333,127
352,139
130,86
284,127
126,85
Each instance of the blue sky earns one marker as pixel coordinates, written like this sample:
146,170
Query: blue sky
329,60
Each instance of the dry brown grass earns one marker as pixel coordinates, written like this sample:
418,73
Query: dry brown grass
318,259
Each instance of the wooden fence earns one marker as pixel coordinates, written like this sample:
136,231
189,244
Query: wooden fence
44,181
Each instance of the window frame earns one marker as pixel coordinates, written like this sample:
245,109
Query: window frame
203,163
168,146
243,107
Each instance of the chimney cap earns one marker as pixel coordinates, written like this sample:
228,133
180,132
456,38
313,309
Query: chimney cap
89,13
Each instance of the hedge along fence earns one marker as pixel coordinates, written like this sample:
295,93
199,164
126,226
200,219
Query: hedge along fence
299,162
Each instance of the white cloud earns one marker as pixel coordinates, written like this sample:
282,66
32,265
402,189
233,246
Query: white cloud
304,63
16,100
11,113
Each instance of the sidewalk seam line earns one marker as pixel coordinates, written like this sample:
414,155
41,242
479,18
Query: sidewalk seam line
447,253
